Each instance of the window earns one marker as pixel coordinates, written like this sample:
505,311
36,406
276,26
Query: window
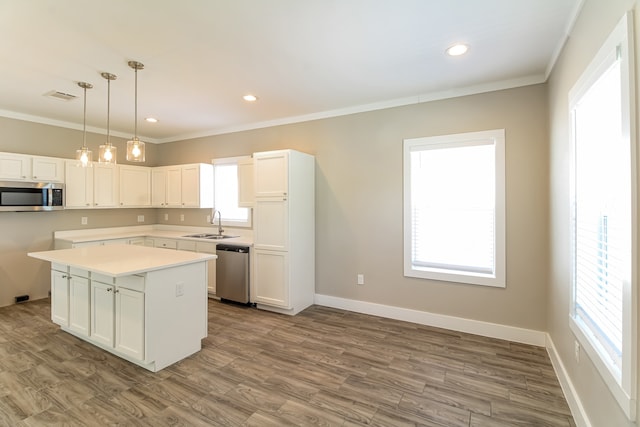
454,219
225,193
602,302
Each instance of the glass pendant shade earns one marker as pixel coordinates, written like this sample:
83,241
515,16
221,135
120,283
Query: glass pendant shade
84,154
135,150
135,147
108,153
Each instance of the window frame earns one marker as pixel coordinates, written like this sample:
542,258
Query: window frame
226,221
622,384
497,278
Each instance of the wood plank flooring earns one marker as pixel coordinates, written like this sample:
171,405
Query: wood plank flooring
322,367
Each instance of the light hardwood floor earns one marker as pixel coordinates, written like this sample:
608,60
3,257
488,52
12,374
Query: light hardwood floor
322,367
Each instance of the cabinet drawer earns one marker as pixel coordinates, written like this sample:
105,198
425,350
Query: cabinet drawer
186,245
60,267
102,278
165,243
78,272
135,283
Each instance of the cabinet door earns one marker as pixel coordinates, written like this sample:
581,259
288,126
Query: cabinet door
174,186
105,185
130,322
60,298
78,186
15,167
47,169
102,313
271,278
271,174
271,227
79,300
135,186
158,187
245,183
209,248
190,186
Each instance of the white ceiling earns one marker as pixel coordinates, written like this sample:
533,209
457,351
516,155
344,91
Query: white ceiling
304,59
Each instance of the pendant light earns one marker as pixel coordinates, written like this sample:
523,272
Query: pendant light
135,147
84,154
108,153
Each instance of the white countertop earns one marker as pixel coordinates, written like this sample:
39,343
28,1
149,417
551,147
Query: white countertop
157,230
121,260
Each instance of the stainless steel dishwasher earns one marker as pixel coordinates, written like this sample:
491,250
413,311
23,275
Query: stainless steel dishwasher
232,273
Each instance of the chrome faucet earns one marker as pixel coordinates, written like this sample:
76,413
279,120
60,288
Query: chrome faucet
213,221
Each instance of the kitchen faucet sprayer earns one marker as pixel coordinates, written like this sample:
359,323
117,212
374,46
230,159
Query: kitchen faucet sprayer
213,220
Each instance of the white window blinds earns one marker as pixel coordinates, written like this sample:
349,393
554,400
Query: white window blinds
454,208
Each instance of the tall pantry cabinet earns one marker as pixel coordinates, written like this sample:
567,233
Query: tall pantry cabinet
284,231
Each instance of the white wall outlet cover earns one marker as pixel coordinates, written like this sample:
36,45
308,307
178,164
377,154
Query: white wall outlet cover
140,218
360,279
166,217
181,217
84,220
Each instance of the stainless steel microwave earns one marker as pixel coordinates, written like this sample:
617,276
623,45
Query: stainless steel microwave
31,196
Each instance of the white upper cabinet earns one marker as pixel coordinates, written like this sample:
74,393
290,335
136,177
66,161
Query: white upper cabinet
159,187
197,186
79,185
135,186
48,169
246,191
271,173
91,187
183,186
22,167
105,185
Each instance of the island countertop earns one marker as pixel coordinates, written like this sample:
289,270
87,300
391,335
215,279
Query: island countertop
121,260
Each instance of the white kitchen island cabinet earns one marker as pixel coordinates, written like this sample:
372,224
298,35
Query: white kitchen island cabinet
146,305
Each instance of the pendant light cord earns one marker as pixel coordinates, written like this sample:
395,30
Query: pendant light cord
135,115
84,120
108,110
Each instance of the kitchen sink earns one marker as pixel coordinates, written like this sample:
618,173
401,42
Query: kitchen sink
210,236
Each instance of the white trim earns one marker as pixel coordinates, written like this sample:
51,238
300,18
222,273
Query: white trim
571,395
573,17
495,138
68,125
398,102
492,330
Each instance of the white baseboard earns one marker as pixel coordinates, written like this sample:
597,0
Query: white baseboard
573,400
493,330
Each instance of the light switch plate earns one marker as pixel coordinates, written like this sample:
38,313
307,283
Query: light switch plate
140,218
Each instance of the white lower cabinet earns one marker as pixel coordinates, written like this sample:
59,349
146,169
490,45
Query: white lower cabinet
129,313
79,300
271,281
102,313
205,248
117,316
60,295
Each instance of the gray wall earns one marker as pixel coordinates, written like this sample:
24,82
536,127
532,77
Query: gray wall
359,200
597,19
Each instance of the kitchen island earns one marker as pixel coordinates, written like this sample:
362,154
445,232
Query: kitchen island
146,305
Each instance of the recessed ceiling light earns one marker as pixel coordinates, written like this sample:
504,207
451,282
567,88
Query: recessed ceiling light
250,98
151,120
457,49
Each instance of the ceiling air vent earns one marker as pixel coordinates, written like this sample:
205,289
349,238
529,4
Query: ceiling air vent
60,95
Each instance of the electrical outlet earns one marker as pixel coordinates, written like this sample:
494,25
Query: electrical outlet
576,347
179,289
208,219
360,279
140,218
84,220
181,217
166,217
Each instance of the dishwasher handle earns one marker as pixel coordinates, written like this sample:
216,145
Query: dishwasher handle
233,248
